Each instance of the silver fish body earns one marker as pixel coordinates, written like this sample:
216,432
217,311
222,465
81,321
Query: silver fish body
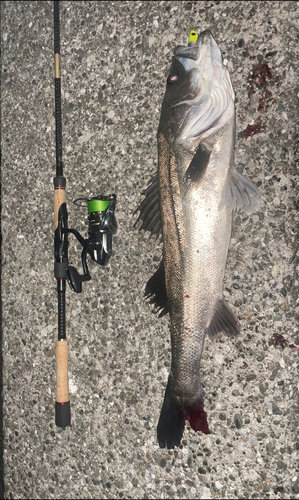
198,189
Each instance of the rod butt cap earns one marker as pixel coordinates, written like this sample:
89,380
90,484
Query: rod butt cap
62,414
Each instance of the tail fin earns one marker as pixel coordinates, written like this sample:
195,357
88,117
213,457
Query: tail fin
173,417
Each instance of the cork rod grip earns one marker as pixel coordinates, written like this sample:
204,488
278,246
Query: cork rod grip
62,385
59,199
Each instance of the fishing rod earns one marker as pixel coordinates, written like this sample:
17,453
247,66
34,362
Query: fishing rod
101,226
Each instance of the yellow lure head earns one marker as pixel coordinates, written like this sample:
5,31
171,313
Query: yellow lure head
193,36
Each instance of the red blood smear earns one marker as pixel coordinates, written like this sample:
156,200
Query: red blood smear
258,79
197,418
265,72
251,130
263,99
278,339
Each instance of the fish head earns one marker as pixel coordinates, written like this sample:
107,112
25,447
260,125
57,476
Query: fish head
199,98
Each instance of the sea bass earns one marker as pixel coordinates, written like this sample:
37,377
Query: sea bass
190,202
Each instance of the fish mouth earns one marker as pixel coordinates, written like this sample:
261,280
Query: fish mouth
205,46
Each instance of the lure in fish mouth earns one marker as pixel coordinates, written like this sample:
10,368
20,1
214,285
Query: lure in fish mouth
190,202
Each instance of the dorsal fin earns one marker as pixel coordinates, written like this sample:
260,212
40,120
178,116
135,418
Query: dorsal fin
150,210
156,290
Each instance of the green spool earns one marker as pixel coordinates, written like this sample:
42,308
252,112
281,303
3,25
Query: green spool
98,205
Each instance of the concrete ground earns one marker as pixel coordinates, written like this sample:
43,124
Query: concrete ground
114,56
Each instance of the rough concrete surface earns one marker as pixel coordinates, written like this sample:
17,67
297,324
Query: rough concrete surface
113,59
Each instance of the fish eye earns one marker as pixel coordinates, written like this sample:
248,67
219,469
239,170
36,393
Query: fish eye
172,78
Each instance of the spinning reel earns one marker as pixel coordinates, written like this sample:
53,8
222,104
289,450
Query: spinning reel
101,226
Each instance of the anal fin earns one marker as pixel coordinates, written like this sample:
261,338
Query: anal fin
223,321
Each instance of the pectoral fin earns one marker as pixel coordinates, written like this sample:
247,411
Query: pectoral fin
239,192
198,166
223,321
150,210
